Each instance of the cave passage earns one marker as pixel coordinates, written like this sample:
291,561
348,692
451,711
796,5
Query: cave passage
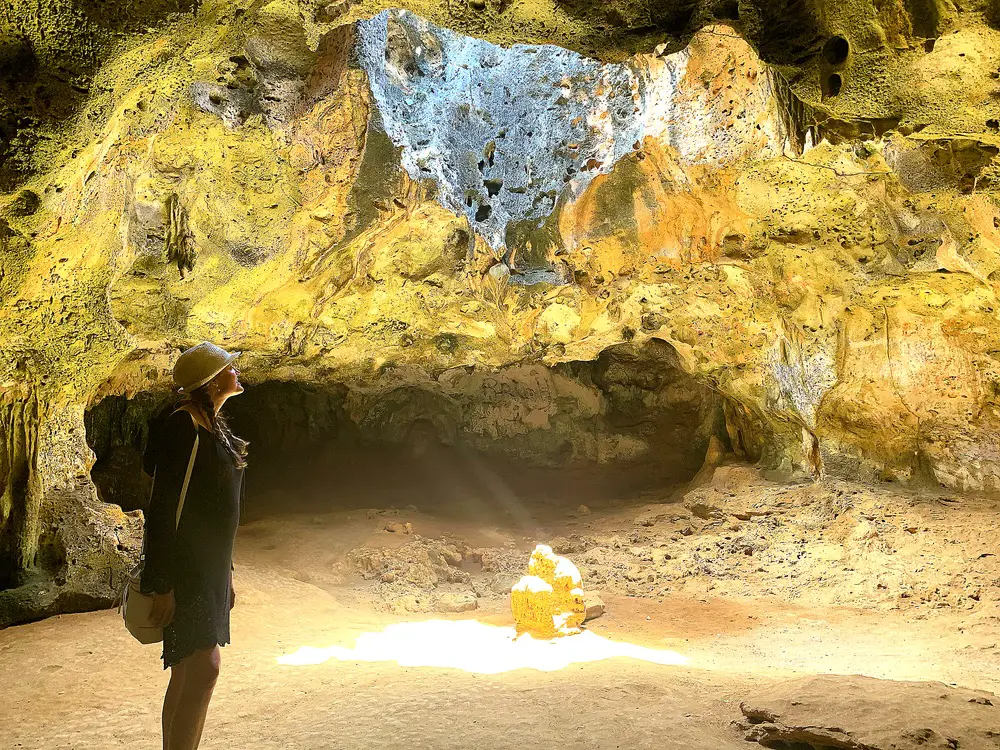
497,447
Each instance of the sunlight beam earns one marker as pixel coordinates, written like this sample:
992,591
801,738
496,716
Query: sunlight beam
476,647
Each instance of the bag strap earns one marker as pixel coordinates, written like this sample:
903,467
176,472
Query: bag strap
180,508
184,487
187,479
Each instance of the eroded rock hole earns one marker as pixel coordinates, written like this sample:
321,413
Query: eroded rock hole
835,50
833,84
117,432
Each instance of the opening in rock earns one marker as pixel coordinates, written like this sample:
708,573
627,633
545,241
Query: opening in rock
927,18
495,448
117,430
835,50
833,84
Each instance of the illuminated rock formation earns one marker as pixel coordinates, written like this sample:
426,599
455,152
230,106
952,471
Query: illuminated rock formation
548,601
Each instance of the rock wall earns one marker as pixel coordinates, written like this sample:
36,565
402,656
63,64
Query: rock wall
817,241
61,550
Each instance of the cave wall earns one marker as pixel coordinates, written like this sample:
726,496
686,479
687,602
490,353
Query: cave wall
824,260
632,409
61,549
632,405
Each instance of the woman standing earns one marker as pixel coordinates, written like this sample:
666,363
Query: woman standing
188,568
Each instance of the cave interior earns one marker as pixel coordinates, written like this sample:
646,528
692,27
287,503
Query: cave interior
637,358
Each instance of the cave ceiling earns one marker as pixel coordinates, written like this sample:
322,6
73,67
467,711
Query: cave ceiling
51,53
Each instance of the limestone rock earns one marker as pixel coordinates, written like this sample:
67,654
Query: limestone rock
61,549
822,252
594,605
420,563
455,603
548,601
502,583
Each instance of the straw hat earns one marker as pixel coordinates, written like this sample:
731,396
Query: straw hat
201,363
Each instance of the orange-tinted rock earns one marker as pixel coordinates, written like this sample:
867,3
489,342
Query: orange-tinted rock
548,601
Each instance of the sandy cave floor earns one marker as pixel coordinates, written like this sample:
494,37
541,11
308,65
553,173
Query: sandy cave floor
324,579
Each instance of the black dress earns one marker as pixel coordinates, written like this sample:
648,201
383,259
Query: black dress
196,560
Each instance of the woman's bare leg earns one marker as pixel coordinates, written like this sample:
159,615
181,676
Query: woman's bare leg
200,671
170,700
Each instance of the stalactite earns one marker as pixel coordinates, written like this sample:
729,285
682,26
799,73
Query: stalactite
799,118
61,550
180,248
19,505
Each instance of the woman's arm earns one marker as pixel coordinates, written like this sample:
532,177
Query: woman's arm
171,466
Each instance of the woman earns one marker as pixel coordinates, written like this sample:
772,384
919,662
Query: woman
188,569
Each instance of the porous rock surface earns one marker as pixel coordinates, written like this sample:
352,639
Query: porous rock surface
801,205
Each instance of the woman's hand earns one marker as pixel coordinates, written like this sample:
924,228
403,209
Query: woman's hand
232,592
163,609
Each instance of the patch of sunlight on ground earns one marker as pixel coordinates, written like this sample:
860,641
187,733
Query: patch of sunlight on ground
478,648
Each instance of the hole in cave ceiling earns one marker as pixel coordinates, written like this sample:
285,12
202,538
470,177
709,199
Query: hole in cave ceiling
504,132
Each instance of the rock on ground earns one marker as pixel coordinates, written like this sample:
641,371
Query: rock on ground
594,605
455,603
862,713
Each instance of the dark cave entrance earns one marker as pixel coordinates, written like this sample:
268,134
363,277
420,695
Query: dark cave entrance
497,447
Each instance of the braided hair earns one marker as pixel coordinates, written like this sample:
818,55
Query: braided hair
236,446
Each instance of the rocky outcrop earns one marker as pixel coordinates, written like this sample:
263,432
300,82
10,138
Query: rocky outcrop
820,544
808,249
61,550
862,713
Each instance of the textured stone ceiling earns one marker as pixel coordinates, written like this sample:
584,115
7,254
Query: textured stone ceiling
51,54
505,133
